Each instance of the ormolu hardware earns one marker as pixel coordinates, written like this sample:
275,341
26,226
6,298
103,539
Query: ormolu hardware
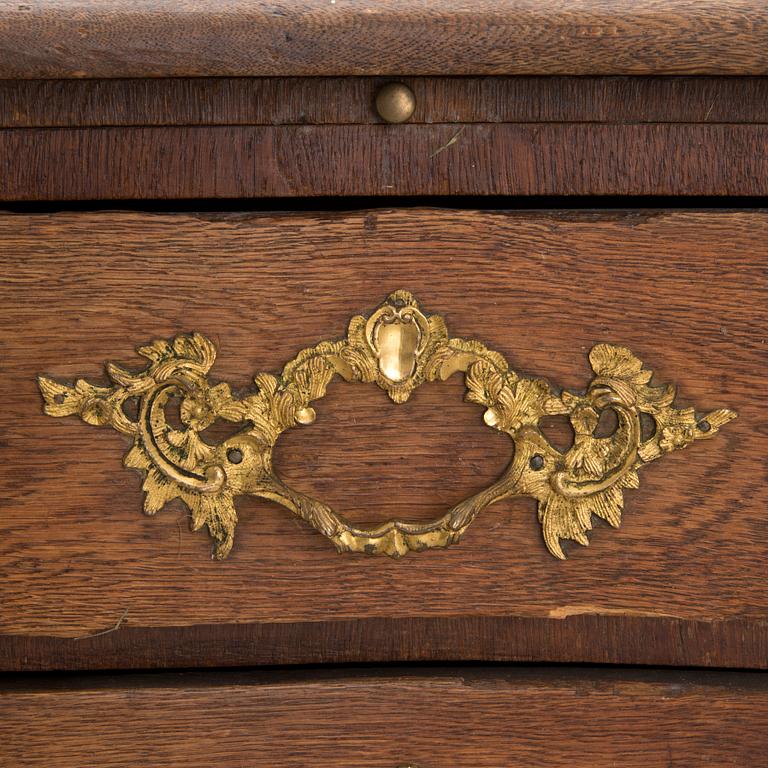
395,103
399,348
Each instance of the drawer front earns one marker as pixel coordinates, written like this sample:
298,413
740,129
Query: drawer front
476,719
89,581
297,137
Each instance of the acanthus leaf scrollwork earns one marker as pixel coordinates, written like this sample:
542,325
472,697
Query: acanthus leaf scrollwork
397,347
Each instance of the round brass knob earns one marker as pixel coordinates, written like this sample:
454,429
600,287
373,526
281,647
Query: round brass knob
395,103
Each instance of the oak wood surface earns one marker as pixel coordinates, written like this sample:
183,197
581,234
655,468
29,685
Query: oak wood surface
178,38
478,718
350,100
682,582
187,162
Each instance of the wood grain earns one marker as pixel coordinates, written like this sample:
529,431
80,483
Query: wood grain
479,718
179,38
682,582
350,100
381,160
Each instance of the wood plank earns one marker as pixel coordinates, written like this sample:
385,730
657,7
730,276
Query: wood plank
350,100
182,38
480,718
682,582
382,160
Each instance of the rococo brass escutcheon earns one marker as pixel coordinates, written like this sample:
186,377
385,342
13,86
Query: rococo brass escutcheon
398,347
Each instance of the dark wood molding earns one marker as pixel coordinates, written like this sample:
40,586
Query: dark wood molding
181,38
585,638
350,101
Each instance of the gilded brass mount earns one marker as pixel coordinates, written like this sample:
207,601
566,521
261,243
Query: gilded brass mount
397,347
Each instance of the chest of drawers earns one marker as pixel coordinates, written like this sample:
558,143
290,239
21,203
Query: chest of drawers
332,334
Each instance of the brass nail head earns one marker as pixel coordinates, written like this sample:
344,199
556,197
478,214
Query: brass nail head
306,415
395,103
